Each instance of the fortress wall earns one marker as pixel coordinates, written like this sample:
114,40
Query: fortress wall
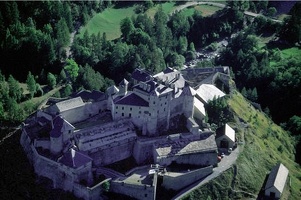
143,151
176,106
25,143
114,153
45,144
203,159
179,181
135,191
95,107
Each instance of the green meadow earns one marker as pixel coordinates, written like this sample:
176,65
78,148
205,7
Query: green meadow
107,22
205,10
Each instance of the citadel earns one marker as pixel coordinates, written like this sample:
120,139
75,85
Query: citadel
156,121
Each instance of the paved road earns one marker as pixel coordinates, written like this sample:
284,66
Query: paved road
225,164
251,14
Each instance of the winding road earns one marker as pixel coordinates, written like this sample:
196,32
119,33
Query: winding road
220,5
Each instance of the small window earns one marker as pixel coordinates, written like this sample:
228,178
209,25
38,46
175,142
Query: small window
122,114
122,108
130,115
145,195
154,102
139,112
116,107
131,108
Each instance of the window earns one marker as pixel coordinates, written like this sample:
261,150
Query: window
130,115
116,107
139,112
122,114
131,108
122,108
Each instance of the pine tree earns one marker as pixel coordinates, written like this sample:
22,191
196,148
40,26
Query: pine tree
31,84
51,80
15,91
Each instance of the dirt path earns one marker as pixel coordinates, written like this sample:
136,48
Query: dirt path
68,48
181,7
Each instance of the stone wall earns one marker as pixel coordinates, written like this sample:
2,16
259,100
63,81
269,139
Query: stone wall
177,181
205,158
135,191
113,153
143,151
57,172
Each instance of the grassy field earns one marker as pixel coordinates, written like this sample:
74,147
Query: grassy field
293,52
265,144
205,10
108,21
287,53
167,7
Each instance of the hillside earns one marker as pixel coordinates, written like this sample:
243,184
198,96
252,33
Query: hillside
263,144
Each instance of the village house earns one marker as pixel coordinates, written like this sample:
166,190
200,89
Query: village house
276,182
225,137
151,118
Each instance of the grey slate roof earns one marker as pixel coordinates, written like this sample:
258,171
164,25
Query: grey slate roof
140,75
227,131
88,95
59,126
74,159
133,100
277,177
70,104
207,92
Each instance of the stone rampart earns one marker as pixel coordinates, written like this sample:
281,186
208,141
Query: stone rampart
133,190
177,181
